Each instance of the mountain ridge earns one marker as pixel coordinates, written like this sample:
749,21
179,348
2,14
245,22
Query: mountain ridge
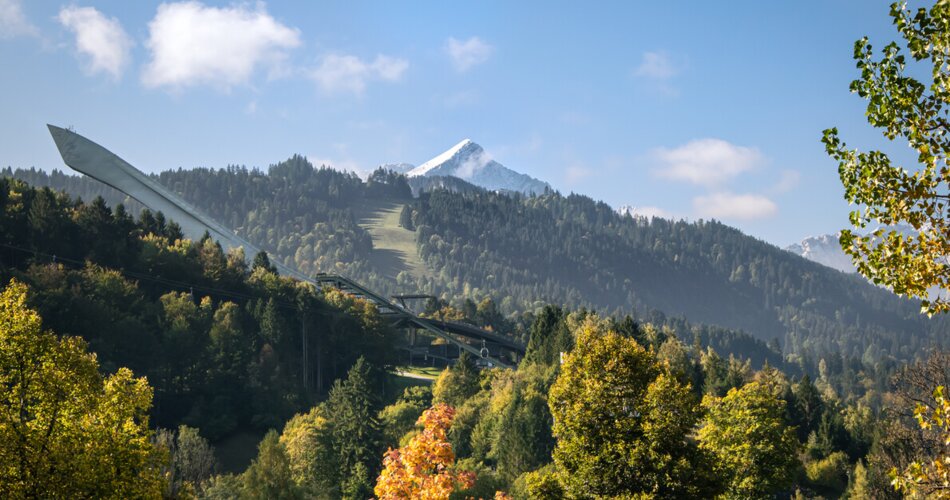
469,162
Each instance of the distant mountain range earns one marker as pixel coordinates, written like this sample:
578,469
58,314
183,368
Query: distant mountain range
824,249
469,161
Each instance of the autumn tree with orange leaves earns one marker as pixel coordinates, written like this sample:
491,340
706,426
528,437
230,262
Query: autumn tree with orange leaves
423,468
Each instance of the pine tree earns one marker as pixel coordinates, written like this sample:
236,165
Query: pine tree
355,428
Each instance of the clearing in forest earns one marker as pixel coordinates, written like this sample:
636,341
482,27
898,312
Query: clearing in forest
394,247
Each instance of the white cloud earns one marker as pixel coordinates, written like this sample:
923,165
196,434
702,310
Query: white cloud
658,70
346,73
13,22
656,66
340,164
646,211
467,54
192,44
472,165
725,205
706,161
576,173
788,181
101,39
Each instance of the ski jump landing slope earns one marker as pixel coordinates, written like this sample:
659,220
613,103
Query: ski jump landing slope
97,162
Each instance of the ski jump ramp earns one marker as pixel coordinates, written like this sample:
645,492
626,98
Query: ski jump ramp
89,158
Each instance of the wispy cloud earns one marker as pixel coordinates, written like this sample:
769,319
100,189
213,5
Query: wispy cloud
707,162
191,44
347,73
657,66
13,21
340,164
726,205
658,69
469,53
101,39
714,164
646,211
472,165
788,181
576,173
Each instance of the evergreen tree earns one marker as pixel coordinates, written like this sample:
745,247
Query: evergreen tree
355,428
549,337
405,218
262,261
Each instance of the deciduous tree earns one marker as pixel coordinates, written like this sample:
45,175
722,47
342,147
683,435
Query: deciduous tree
755,451
888,194
65,432
423,469
931,476
622,424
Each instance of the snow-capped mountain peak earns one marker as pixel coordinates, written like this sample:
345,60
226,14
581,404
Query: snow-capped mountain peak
399,168
440,159
824,249
470,162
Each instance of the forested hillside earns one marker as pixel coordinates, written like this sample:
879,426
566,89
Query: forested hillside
222,343
523,252
705,270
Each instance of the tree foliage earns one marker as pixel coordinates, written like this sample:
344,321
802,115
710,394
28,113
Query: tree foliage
354,429
755,451
568,250
424,468
888,194
622,424
457,383
269,475
308,443
65,431
931,476
223,345
191,461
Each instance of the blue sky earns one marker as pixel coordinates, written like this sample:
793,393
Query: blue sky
688,109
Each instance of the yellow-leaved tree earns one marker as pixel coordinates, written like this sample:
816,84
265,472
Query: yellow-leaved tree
423,469
905,207
929,478
65,432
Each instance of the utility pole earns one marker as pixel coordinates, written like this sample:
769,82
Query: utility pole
303,341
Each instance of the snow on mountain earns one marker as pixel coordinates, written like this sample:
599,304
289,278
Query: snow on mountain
399,168
824,250
469,161
449,154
